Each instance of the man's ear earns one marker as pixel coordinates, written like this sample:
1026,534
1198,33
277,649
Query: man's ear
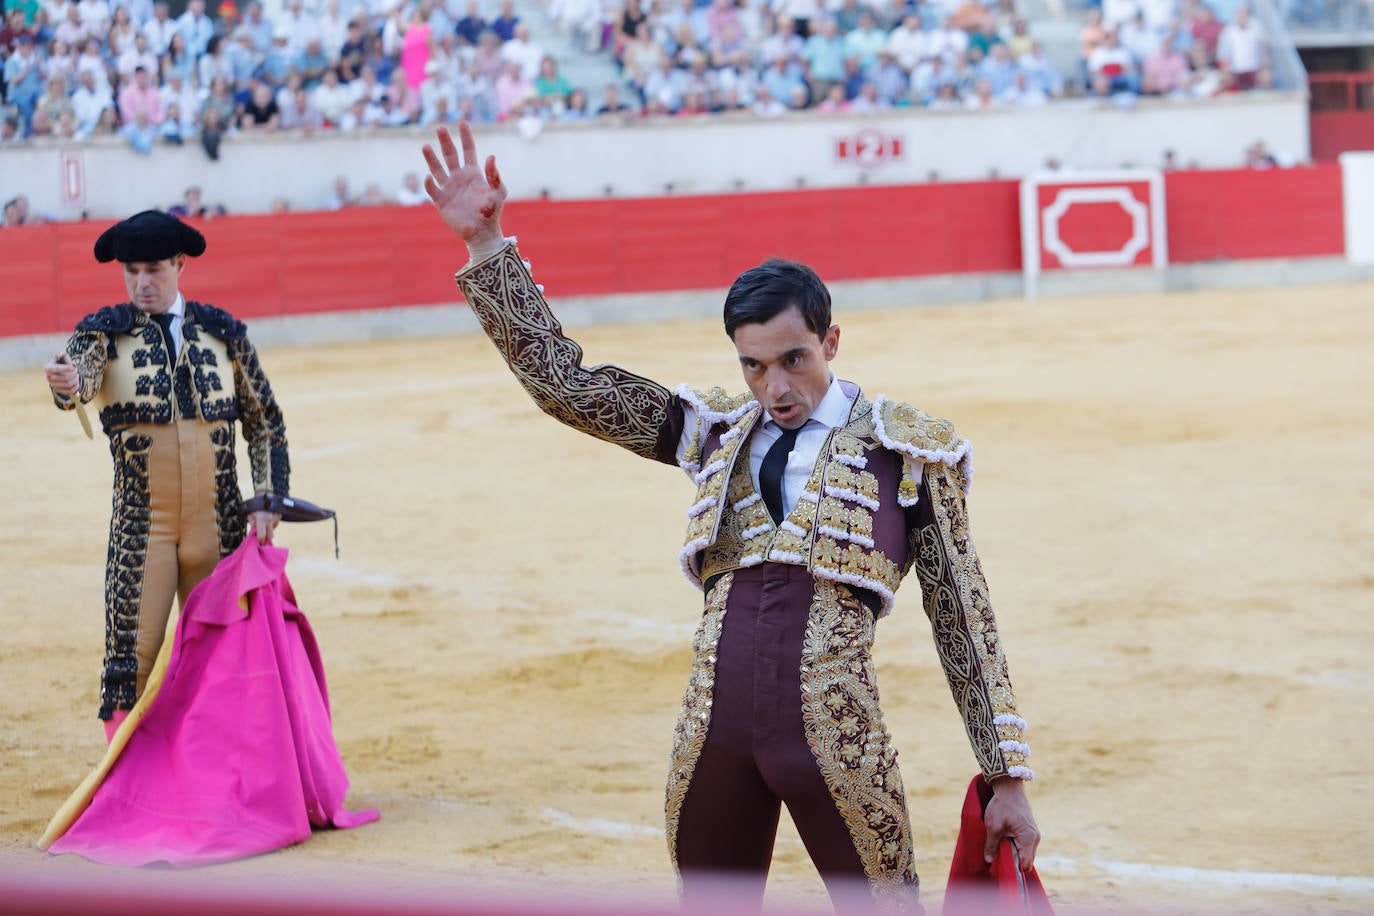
830,344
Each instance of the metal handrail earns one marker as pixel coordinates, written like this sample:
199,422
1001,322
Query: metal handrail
1342,91
1289,72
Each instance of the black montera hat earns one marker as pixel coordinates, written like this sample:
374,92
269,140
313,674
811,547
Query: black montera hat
148,236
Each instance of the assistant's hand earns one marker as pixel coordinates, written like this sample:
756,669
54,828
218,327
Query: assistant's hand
264,523
468,198
1009,815
62,376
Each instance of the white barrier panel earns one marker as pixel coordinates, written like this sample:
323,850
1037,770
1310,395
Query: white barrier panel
1357,175
650,157
1120,214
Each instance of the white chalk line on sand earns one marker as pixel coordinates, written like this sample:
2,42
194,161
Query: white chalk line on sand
327,451
619,620
333,569
1218,878
1137,871
600,826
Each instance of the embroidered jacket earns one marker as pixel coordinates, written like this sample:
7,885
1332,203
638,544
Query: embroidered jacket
886,494
125,368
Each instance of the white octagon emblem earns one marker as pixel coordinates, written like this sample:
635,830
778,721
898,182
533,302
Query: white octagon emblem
1122,197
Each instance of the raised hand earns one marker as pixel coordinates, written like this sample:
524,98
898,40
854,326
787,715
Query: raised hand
469,199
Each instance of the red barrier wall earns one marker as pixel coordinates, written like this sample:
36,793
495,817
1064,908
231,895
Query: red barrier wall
1248,213
383,257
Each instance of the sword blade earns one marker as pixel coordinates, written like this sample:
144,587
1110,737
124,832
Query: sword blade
85,420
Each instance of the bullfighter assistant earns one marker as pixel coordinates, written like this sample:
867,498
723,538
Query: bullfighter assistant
170,376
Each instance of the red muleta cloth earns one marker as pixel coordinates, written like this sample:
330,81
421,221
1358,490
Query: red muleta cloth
976,888
235,755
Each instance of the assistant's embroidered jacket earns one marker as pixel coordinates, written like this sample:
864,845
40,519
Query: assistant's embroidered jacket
127,371
886,496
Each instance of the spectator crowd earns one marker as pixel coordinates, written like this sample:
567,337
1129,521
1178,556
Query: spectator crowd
82,68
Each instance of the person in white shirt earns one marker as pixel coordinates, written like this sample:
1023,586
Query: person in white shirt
140,11
1113,64
159,29
784,42
1023,93
92,61
1160,14
926,80
800,12
57,10
176,91
96,14
137,56
524,52
331,97
298,26
88,101
333,30
411,194
72,30
1138,37
435,87
947,41
1115,12
196,27
907,42
1041,71
1241,47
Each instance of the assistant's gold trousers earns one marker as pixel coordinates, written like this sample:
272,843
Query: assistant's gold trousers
165,538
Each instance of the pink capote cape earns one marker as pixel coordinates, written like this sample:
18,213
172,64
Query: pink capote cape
235,755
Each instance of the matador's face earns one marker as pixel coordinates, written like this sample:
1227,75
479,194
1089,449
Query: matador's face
786,365
152,285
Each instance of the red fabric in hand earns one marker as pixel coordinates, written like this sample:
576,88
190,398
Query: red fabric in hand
976,888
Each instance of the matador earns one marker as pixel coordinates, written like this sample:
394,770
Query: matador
812,503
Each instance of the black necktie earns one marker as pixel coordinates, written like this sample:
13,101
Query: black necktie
164,321
770,472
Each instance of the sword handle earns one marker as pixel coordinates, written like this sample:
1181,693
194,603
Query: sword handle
80,407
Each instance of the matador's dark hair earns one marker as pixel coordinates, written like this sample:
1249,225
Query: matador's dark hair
761,293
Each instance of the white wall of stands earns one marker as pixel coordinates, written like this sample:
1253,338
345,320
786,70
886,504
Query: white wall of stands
696,156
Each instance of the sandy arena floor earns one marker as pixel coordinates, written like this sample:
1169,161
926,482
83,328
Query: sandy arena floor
1174,503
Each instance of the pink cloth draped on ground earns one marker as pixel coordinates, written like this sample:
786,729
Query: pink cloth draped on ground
236,754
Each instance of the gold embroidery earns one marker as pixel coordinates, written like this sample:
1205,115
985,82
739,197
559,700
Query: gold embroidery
846,478
603,401
847,445
721,402
906,424
732,549
263,426
956,600
711,525
694,721
909,488
747,536
87,352
850,741
855,520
